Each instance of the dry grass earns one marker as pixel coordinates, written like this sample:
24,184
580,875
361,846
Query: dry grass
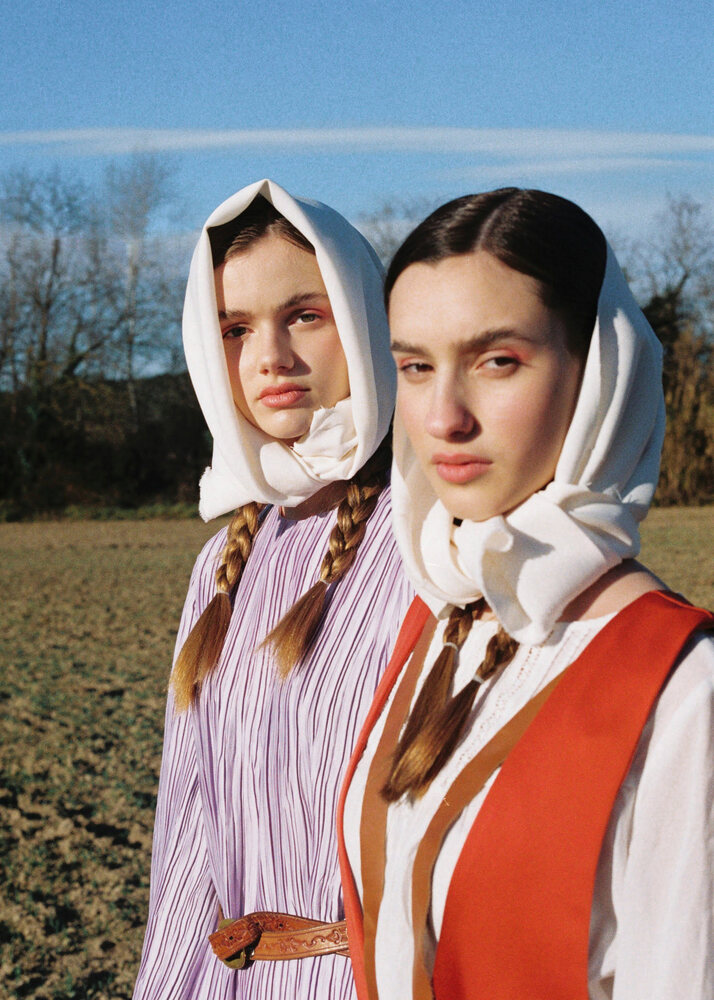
89,617
677,546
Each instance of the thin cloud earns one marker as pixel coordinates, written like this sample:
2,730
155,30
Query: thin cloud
561,144
578,165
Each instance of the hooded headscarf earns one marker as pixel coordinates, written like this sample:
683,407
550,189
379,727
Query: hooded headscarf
531,563
247,464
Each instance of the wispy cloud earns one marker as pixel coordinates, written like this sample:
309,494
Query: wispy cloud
571,149
577,165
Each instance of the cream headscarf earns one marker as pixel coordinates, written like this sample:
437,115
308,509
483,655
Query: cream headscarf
247,464
532,562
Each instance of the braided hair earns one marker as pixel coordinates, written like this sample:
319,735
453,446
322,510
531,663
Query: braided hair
202,649
293,635
438,718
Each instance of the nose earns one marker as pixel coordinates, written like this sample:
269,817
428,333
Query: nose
275,350
448,417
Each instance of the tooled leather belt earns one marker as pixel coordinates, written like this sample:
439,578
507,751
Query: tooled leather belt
275,937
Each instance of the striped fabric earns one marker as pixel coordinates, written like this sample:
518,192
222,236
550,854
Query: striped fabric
249,780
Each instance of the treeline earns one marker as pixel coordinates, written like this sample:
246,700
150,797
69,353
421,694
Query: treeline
80,443
95,407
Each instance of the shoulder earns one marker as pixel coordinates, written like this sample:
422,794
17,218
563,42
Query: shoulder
617,588
681,725
382,541
691,684
203,574
383,508
211,555
211,552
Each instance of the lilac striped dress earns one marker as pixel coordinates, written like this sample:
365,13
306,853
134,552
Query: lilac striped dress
249,780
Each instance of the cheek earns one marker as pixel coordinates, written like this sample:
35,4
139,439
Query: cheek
507,416
237,369
329,361
544,418
560,405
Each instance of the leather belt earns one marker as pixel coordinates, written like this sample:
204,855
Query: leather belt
275,937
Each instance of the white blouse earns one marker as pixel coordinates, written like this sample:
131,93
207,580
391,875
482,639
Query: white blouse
652,921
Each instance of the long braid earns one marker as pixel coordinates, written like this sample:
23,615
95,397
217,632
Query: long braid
292,636
202,648
437,720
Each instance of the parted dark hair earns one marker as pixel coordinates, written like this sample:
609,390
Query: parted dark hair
555,242
294,634
539,234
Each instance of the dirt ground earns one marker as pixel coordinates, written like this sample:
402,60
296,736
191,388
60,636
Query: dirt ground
89,619
89,615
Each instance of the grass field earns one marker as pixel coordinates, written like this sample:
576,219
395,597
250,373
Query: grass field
89,617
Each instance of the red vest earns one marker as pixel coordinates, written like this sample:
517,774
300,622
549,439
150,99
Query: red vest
517,917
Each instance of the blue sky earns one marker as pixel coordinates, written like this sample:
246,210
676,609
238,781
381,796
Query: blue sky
363,103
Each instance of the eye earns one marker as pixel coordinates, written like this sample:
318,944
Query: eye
306,318
234,332
501,364
413,368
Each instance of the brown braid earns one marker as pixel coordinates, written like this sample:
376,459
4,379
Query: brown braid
437,720
202,648
293,635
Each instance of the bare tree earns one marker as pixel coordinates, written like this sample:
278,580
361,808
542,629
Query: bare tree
387,228
673,275
676,260
9,325
47,272
137,193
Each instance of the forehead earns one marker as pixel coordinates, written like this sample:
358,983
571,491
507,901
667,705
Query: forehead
464,296
272,268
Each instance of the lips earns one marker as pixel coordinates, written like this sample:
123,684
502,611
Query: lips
281,396
458,468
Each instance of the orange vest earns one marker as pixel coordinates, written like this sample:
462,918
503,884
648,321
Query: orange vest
517,916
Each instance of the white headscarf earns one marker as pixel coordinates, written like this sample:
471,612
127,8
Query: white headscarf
531,563
248,464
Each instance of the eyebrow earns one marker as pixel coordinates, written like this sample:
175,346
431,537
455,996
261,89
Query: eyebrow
479,342
299,299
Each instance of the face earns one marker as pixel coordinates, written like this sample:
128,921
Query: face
486,386
284,355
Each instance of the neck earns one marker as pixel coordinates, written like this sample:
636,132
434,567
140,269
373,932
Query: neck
319,503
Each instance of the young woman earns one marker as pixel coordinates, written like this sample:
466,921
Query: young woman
291,611
528,812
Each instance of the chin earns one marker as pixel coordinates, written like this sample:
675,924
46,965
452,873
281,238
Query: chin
462,509
458,503
287,431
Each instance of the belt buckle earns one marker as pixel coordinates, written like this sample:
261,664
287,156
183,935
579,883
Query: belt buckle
241,959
